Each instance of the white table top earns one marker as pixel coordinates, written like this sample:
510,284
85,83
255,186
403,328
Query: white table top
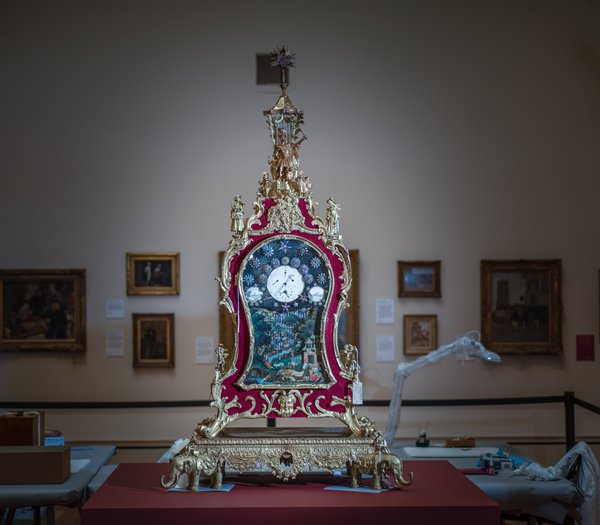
514,494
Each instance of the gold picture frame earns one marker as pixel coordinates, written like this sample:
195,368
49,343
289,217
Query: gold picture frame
419,279
153,340
420,334
43,310
350,322
350,332
153,273
521,306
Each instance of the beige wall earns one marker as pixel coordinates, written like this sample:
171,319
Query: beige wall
457,131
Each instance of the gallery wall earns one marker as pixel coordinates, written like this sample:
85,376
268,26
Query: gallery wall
451,131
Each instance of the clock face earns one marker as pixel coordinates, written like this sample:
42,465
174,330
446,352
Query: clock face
286,284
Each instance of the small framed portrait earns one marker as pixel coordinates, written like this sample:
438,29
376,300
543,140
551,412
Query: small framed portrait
153,273
521,306
419,279
42,310
153,340
420,334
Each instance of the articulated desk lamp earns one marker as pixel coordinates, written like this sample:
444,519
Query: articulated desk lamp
466,347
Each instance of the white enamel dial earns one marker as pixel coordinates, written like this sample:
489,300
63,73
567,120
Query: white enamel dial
254,294
316,294
285,284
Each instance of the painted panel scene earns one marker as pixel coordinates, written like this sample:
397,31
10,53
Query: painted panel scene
153,273
520,307
38,309
286,350
420,334
419,279
154,339
286,285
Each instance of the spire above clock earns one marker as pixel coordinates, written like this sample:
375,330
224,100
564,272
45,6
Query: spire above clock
284,120
282,58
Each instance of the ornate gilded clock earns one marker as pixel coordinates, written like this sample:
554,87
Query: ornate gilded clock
285,279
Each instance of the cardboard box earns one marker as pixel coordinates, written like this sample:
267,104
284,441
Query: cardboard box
461,442
21,428
28,465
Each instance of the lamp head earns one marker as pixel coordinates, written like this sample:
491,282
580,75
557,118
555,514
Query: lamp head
471,345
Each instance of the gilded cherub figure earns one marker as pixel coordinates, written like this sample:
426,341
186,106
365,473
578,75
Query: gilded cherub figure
221,357
265,185
237,214
333,217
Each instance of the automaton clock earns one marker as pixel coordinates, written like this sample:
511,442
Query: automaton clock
285,279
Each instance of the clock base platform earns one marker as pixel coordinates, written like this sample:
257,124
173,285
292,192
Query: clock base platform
285,452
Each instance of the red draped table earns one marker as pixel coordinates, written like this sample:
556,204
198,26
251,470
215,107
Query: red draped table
439,495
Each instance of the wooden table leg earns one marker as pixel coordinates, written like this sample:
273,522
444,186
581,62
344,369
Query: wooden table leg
37,516
8,515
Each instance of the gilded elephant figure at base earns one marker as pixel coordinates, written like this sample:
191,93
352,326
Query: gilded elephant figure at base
194,466
392,462
381,464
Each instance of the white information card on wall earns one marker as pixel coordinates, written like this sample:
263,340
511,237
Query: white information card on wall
384,310
115,309
205,350
385,348
115,343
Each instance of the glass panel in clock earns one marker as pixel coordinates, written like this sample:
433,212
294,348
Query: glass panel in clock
286,288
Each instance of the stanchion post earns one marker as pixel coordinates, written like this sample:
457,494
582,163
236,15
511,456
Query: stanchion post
569,401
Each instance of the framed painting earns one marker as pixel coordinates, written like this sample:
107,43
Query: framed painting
43,310
420,334
521,306
153,340
153,273
419,279
349,324
226,326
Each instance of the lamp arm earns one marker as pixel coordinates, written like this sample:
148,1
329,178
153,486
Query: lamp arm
469,345
403,370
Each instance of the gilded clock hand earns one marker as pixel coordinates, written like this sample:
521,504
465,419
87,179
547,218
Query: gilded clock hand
284,284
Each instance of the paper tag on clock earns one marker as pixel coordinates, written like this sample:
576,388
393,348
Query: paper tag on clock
357,396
